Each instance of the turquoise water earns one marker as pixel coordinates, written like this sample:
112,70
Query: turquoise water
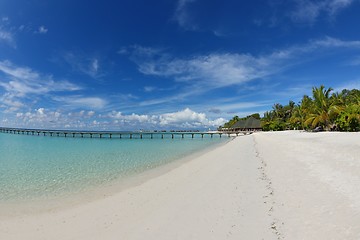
36,167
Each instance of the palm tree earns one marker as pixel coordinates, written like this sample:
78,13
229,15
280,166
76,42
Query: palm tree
278,110
349,119
323,110
300,113
231,122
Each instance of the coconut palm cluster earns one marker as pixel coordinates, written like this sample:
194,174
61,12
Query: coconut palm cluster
325,109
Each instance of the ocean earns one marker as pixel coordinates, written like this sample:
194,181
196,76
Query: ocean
44,167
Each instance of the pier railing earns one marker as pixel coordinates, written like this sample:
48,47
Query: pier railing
118,135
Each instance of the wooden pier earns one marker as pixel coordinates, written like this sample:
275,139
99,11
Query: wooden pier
118,135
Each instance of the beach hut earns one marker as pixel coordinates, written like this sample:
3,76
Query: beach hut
249,124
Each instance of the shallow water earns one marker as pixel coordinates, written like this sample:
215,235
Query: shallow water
37,167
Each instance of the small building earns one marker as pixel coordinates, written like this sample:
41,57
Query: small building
250,124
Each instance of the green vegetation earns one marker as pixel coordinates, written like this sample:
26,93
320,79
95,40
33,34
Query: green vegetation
325,109
336,111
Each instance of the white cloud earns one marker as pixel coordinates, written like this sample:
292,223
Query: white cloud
182,119
206,72
183,116
308,11
23,82
182,15
334,6
334,42
42,30
91,113
129,118
18,72
40,118
188,118
81,101
149,89
40,111
8,101
95,66
7,37
216,69
45,118
6,32
86,65
123,51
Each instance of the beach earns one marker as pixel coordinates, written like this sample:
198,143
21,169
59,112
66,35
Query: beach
267,185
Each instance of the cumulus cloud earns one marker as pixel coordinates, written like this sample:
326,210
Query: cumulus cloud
55,119
39,117
130,118
186,118
45,118
181,117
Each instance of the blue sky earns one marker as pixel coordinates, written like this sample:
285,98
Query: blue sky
167,64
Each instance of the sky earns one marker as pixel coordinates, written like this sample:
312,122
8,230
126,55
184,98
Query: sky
168,64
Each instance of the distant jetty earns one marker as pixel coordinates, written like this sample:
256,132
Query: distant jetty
119,134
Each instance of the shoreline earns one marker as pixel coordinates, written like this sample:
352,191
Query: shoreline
95,193
268,185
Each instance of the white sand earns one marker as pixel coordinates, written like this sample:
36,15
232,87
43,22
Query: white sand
287,185
316,182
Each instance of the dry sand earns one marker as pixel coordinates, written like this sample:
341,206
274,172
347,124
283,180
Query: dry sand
284,185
